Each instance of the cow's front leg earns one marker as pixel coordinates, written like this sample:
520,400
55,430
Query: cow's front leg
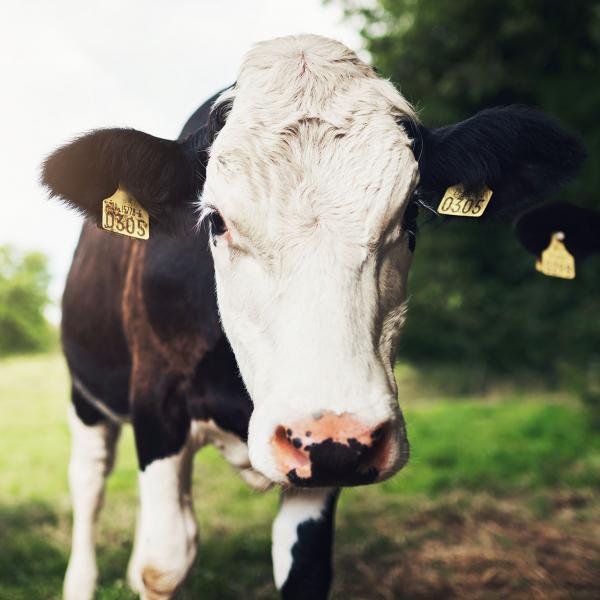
92,458
303,541
166,535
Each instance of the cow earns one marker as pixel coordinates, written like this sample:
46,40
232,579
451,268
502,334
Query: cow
263,313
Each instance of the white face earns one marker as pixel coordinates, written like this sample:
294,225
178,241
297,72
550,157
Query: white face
311,174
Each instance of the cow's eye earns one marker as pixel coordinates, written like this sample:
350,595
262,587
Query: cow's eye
217,223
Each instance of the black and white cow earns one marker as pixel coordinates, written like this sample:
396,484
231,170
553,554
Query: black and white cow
308,171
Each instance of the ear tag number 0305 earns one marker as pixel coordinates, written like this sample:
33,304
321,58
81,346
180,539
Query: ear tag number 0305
456,203
122,214
556,260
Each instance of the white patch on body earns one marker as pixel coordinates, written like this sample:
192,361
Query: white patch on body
312,174
166,537
297,506
92,458
233,449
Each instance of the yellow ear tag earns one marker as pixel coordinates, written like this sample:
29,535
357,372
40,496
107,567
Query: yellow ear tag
122,213
556,260
458,204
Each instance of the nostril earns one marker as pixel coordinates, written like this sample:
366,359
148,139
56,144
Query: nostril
377,454
378,433
288,451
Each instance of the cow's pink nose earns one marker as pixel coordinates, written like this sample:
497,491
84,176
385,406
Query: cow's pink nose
337,450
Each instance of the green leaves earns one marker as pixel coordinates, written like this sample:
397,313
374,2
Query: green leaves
24,280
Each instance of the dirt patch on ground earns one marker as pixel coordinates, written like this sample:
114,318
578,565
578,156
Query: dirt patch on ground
474,548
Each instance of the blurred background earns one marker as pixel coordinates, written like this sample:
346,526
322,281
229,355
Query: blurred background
499,366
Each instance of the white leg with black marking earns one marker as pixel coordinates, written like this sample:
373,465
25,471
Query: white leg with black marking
302,543
166,535
92,458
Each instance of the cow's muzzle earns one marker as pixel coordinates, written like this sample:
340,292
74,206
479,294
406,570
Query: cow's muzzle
339,450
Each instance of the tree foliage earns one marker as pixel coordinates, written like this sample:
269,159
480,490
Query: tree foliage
24,280
476,299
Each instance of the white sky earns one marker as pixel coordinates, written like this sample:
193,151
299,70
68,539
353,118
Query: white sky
68,66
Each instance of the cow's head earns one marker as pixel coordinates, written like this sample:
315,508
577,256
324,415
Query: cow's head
310,188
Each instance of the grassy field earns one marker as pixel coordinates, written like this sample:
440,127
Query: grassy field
499,500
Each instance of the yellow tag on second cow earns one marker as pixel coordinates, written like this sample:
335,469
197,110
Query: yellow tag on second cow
456,203
556,260
123,214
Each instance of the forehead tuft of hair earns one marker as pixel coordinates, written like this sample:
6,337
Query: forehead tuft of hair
308,71
305,91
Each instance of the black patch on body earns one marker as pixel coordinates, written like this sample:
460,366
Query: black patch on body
161,420
311,572
92,332
218,392
178,286
333,463
85,410
108,384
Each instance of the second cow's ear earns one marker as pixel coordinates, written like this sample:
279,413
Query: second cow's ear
520,153
164,176
580,227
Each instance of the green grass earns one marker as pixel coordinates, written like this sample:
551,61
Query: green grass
530,447
511,445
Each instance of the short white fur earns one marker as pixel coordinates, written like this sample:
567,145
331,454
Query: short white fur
92,459
166,536
312,174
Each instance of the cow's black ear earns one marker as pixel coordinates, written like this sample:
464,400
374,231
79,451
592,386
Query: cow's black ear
520,153
580,226
164,176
